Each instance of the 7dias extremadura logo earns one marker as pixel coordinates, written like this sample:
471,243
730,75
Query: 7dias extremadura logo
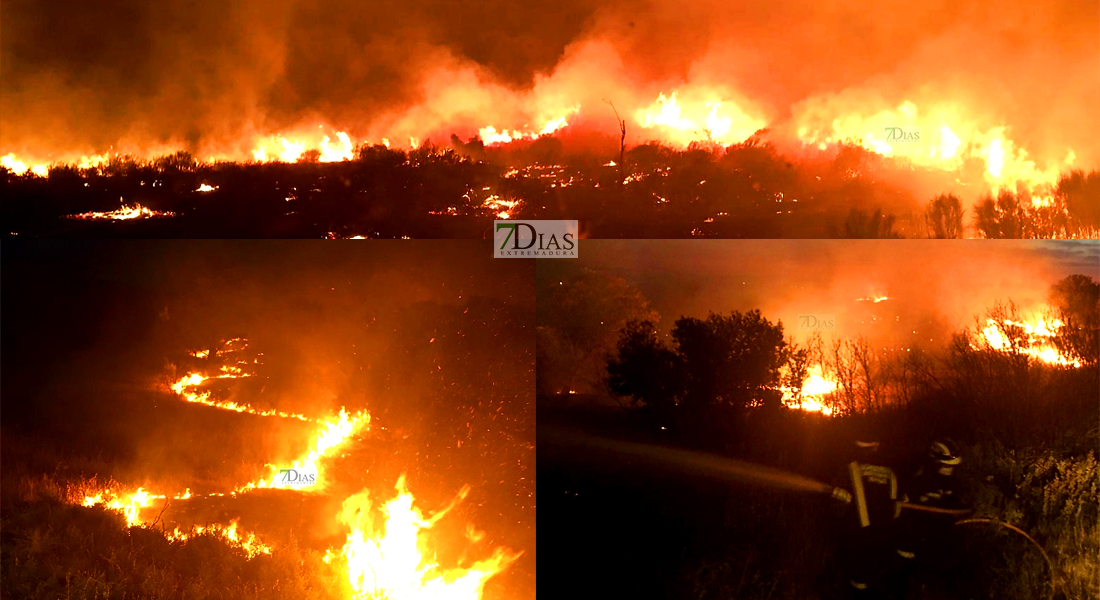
535,239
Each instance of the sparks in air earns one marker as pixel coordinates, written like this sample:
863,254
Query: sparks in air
385,558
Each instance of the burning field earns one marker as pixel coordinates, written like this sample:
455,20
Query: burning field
642,119
711,395
242,420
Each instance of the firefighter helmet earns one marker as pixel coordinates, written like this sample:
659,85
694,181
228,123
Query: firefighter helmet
944,452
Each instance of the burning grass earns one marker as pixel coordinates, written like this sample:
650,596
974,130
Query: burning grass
751,188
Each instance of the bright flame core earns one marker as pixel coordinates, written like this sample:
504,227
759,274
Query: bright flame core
814,388
1032,338
386,559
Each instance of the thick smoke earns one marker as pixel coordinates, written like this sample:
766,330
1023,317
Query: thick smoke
211,77
933,289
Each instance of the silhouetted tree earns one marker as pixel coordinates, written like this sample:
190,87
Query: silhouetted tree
645,369
798,368
944,216
580,314
1077,300
1016,216
179,161
861,225
731,360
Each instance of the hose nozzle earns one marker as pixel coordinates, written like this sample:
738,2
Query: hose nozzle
842,495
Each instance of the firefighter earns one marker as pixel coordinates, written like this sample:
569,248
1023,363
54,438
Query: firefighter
867,549
926,535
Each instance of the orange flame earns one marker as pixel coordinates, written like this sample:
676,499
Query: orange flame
1031,338
814,388
124,213
387,560
333,434
246,541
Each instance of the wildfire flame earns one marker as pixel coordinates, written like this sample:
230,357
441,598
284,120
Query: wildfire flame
949,136
383,559
123,213
332,434
129,505
490,135
1032,338
946,140
189,387
386,559
246,541
814,388
682,123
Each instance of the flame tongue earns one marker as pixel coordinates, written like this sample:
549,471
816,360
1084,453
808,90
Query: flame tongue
815,387
1027,337
333,434
385,559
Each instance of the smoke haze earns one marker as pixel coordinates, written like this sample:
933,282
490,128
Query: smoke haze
148,77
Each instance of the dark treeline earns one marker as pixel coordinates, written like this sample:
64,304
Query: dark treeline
750,189
1027,428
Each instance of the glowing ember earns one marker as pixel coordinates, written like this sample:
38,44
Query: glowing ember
206,188
500,207
385,559
124,213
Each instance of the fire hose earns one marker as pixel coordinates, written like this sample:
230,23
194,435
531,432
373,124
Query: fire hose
1046,557
727,468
